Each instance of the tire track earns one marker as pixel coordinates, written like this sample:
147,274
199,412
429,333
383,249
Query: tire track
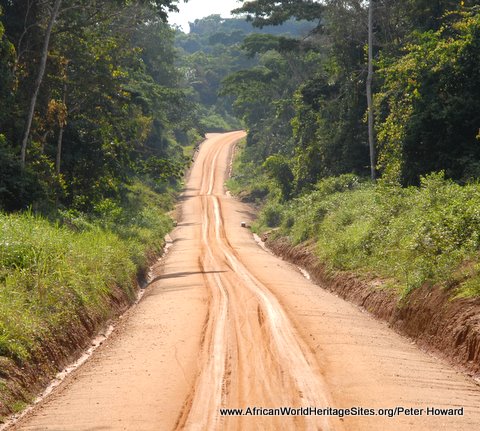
251,355
225,324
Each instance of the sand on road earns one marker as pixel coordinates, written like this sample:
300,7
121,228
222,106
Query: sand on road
225,324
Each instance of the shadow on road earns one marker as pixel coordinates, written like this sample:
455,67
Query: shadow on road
182,274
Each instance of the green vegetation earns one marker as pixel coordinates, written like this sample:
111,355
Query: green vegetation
409,236
305,107
248,180
54,274
209,53
306,98
109,107
425,121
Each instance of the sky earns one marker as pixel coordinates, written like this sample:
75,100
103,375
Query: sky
200,8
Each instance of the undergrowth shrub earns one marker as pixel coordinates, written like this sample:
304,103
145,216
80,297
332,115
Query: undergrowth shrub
271,214
411,236
248,181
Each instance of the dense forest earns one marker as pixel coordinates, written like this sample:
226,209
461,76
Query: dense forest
212,50
87,103
103,103
309,157
106,95
312,92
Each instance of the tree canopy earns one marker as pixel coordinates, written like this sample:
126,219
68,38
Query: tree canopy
93,95
214,49
306,99
108,103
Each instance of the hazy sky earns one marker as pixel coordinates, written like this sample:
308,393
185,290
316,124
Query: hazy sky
199,8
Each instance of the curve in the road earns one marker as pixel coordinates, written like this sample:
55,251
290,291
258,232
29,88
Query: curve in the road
279,370
226,324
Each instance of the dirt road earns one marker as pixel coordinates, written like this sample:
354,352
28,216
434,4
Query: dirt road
226,324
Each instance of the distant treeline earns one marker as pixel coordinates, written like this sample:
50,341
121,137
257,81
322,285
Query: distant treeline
212,50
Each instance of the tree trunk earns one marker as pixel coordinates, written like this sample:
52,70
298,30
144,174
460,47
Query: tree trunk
60,135
58,163
58,159
38,81
59,150
371,137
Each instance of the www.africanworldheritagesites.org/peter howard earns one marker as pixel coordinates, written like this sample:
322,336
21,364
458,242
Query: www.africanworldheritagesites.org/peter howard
354,411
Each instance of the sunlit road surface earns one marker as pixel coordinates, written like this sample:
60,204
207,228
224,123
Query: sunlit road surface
225,324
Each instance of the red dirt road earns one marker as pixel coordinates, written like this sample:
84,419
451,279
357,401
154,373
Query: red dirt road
226,324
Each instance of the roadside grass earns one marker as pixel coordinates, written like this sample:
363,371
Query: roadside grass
247,181
53,273
416,235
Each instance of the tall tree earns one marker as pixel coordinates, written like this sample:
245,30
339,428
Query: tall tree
275,12
54,9
98,83
371,138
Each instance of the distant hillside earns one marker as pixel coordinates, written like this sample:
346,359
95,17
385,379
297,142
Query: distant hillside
211,30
